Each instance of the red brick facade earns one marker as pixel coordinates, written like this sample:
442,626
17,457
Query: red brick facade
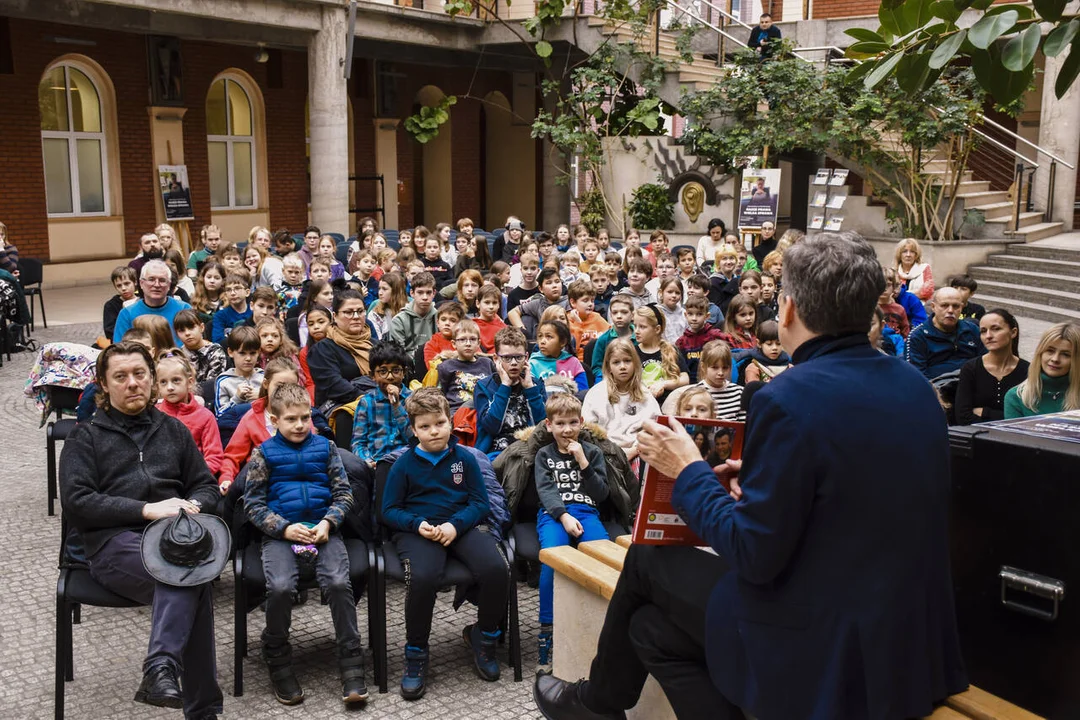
827,9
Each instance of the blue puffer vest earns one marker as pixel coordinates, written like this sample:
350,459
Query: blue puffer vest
299,484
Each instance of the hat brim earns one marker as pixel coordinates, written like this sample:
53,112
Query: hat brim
165,572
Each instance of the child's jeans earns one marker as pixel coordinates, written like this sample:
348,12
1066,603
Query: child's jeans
552,534
332,571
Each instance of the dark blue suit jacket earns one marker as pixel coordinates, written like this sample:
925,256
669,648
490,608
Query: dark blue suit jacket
839,601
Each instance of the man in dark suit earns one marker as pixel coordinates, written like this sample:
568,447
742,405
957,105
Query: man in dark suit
833,598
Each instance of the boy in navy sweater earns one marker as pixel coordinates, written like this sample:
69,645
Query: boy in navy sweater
236,313
297,496
435,501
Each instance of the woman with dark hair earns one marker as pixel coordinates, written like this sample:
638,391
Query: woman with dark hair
709,244
980,394
339,364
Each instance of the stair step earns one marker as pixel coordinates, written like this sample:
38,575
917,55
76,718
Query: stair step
1027,219
1032,310
1028,278
994,210
970,187
989,197
1051,266
1045,252
941,172
1039,296
1039,231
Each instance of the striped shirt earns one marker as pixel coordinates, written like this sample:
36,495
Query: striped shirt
727,401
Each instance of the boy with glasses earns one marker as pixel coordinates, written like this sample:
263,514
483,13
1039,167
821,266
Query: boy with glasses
381,425
512,399
459,375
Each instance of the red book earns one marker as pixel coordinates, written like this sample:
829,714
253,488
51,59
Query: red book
657,523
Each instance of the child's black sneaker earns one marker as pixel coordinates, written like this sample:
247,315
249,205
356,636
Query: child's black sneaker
544,650
483,647
287,688
353,688
416,663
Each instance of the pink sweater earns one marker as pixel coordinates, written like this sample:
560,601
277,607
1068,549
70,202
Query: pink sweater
203,426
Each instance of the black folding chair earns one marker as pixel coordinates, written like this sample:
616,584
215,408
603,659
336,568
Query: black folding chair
388,565
30,276
74,588
250,587
60,400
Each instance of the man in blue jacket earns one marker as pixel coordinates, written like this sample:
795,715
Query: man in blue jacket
945,342
833,598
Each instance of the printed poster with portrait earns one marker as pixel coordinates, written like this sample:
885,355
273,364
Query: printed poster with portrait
759,197
175,192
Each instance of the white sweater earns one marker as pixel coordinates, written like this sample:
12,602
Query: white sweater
621,421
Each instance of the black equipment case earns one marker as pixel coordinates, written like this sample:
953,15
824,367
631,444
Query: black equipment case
1015,542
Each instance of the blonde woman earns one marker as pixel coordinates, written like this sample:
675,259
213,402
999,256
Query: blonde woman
167,235
1053,381
912,270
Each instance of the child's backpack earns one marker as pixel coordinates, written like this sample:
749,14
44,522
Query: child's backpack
464,424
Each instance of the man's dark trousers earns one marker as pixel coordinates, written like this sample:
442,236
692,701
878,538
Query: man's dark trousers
181,624
655,625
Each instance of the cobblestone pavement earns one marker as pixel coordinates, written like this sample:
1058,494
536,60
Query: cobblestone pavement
110,644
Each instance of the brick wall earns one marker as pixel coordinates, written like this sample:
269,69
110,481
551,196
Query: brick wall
825,9
22,184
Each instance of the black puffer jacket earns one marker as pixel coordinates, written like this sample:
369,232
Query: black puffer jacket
514,468
106,476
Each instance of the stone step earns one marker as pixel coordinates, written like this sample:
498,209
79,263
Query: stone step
1039,231
1027,219
972,187
1045,252
941,172
989,197
1037,296
1031,310
1027,278
992,211
1010,261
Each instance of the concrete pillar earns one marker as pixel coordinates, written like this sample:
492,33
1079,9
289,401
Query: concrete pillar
386,165
329,109
1059,133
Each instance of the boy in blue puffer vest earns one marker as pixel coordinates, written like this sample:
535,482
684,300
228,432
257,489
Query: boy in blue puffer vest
298,496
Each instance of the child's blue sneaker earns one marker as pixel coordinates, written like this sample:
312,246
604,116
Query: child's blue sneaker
483,647
416,662
544,649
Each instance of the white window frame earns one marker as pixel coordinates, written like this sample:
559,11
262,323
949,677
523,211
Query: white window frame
72,138
230,141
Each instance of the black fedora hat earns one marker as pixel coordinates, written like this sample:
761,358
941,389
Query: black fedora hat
186,550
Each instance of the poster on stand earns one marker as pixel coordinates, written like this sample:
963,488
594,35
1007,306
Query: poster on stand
175,192
839,177
822,177
759,198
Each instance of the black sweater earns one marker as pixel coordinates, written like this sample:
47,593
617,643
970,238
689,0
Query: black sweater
108,473
978,388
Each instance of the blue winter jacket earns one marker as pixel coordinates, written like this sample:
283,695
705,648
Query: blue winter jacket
299,485
916,313
490,399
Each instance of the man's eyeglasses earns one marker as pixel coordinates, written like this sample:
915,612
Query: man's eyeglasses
512,358
155,281
352,313
389,372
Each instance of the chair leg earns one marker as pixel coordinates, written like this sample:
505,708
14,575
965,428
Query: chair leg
62,618
380,580
76,613
515,633
239,629
41,299
32,326
50,467
372,613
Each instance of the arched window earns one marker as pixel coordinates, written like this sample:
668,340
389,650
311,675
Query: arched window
73,143
230,138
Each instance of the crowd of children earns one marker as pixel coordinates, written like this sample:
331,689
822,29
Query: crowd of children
451,353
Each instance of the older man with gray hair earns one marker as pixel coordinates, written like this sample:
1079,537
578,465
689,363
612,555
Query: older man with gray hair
829,595
155,281
945,342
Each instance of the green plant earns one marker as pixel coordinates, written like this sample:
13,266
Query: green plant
650,207
424,125
592,210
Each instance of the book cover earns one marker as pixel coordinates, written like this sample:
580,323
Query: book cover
839,177
817,222
1058,426
819,199
822,177
657,523
836,200
833,224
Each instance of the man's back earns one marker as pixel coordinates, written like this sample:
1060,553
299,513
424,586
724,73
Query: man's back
839,547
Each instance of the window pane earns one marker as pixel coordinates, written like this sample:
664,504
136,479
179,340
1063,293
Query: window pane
52,101
215,110
245,197
219,174
91,181
85,104
240,107
57,175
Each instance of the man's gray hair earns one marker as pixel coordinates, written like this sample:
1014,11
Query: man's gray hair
835,280
159,265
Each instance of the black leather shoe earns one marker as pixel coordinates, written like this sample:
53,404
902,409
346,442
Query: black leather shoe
561,700
160,687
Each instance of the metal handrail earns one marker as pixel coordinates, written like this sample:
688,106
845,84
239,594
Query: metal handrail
726,14
1038,148
716,29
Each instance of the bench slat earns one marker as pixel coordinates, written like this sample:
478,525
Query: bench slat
623,541
946,713
981,705
606,552
587,572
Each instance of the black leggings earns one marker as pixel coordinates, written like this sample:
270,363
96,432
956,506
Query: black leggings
423,562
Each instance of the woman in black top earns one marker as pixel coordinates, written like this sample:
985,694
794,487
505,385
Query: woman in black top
980,396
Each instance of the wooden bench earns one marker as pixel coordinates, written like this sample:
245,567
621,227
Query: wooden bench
585,580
